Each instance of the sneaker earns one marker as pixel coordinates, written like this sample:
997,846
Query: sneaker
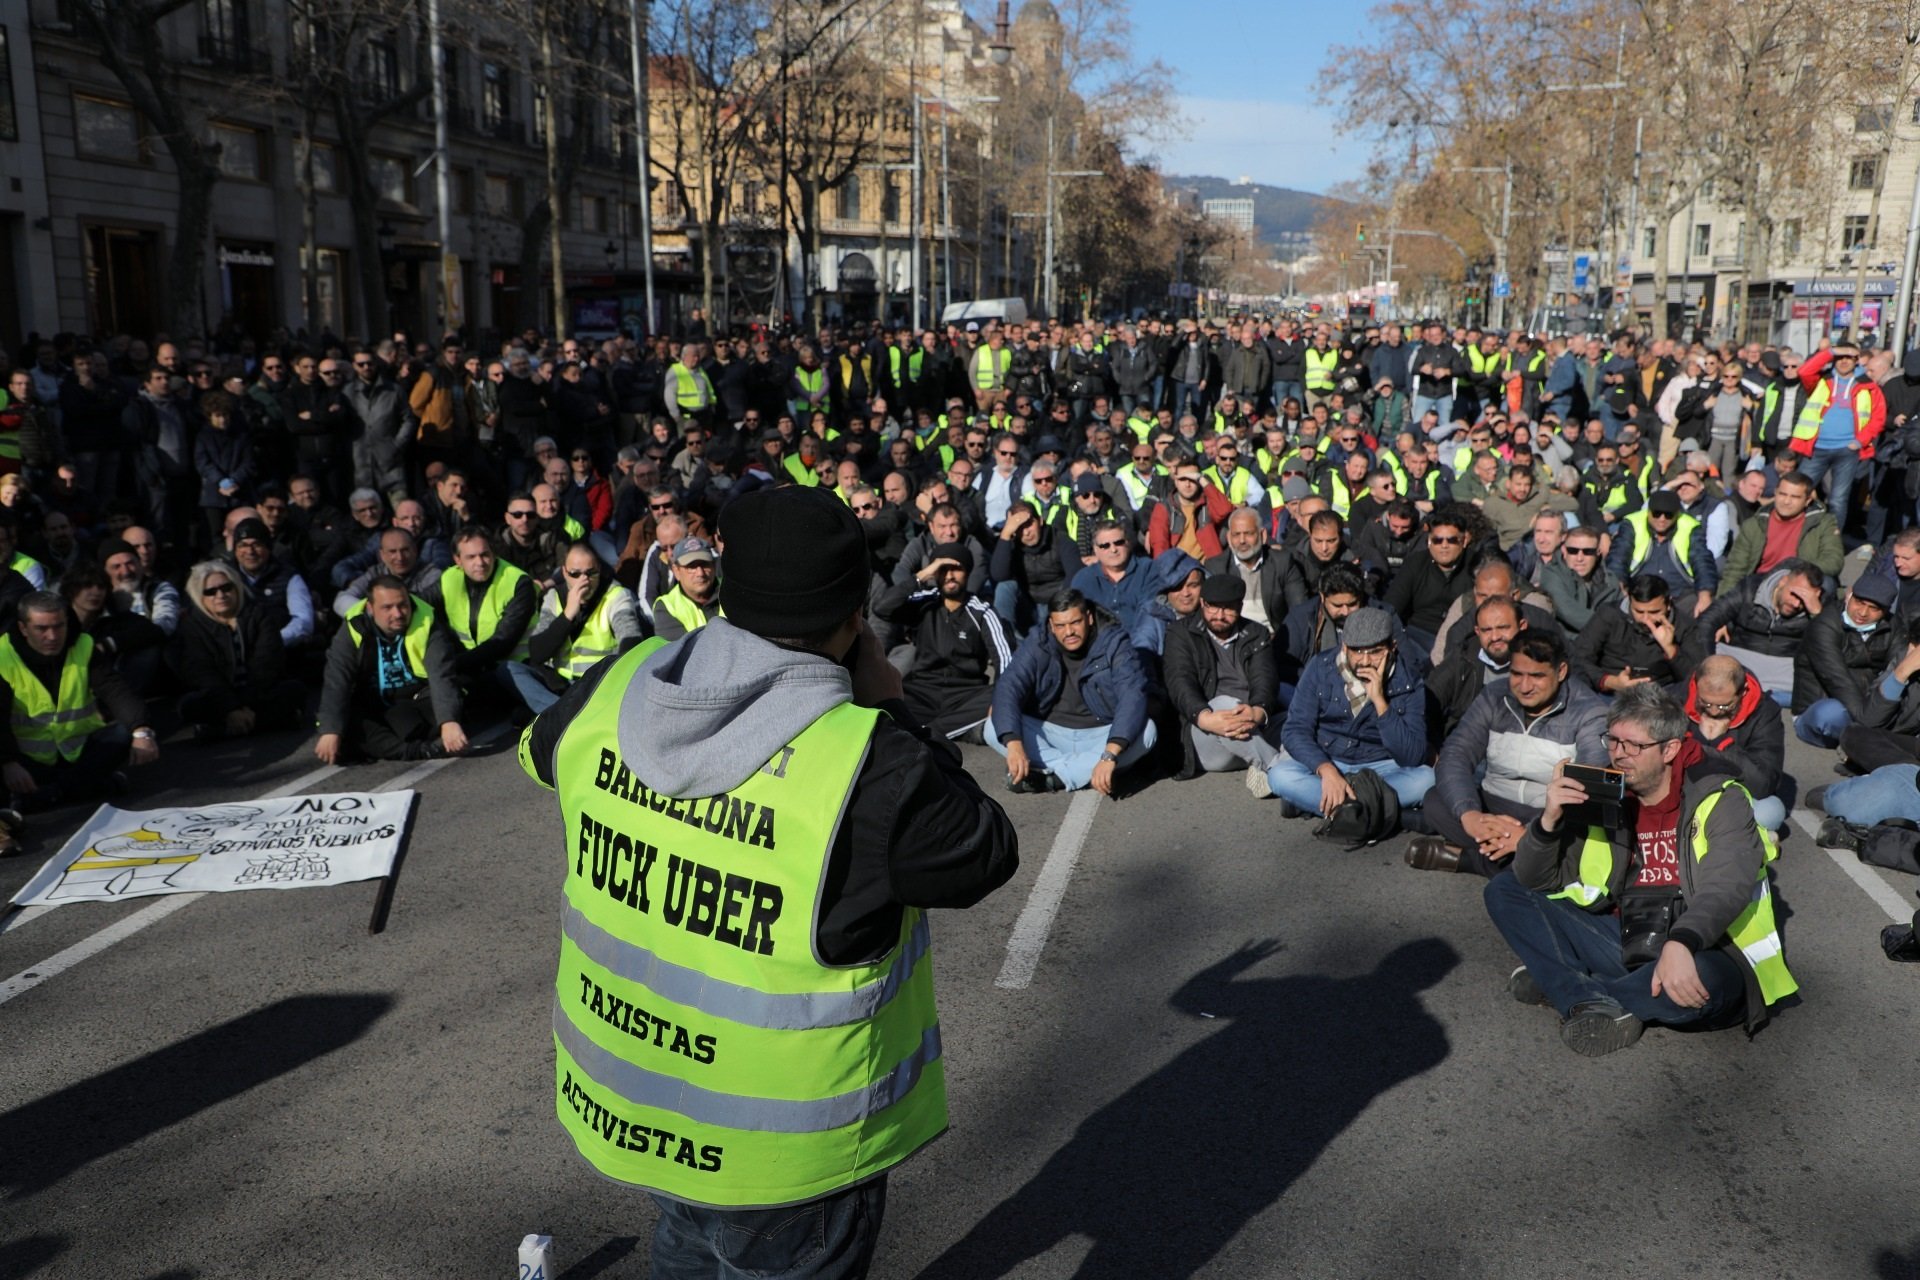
1257,785
1522,987
1046,780
1288,809
1600,1027
1835,834
1816,800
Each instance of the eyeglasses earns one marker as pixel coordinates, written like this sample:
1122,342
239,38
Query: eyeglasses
1718,710
1581,551
1443,540
223,589
1007,453
1628,747
363,364
865,508
1109,546
660,506
203,373
1045,480
582,457
582,573
521,514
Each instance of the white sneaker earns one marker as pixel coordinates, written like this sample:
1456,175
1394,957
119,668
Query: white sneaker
1257,785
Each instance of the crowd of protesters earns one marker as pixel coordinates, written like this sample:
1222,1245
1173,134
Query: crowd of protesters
1398,580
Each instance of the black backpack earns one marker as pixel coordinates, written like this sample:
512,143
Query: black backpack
1372,815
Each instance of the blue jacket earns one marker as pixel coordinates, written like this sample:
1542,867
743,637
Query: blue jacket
1112,682
1125,599
1319,727
1148,626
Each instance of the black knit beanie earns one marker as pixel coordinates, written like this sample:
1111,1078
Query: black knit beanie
793,562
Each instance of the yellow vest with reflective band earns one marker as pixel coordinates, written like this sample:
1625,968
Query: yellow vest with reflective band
1341,499
595,641
692,390
814,383
912,363
1138,487
1614,496
1046,510
1392,463
456,604
1143,428
1534,363
1807,425
1320,367
1422,490
702,1048
1463,462
23,563
802,474
1683,530
1235,489
413,644
47,728
1753,931
990,368
1642,475
684,610
1482,362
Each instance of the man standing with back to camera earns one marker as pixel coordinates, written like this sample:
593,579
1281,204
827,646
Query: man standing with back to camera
754,825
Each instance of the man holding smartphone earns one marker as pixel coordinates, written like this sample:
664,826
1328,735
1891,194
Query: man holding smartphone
1664,916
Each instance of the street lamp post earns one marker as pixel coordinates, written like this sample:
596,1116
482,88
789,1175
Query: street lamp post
1500,244
1052,174
637,32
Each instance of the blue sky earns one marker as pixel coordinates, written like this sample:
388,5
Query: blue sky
1244,71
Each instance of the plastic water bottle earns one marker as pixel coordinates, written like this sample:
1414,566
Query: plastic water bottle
536,1258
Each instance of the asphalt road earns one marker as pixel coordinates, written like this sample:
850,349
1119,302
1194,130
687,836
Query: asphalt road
1241,1053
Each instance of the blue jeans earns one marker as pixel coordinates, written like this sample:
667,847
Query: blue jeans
1186,396
831,1238
1281,390
1300,786
532,690
1070,754
1887,792
1443,405
1839,466
1575,957
1821,724
1020,611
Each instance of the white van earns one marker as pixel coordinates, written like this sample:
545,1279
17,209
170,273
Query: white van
979,311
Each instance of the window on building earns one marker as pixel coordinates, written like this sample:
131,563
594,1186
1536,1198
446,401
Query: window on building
750,199
392,179
106,130
850,198
461,182
890,203
1872,119
671,209
241,154
326,173
1864,173
499,196
450,79
225,37
379,70
496,96
630,215
593,213
9,123
1702,239
1853,232
1790,238
1646,242
539,112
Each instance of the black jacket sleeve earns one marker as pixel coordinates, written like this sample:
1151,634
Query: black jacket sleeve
1179,665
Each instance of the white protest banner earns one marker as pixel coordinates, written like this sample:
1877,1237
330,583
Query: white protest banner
295,842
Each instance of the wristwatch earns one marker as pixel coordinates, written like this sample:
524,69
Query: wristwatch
1110,756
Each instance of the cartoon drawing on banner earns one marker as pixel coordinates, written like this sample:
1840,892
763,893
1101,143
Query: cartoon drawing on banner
151,854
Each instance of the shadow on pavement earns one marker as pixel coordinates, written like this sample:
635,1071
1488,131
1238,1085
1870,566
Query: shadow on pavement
613,1251
1889,1264
45,1140
28,1254
1165,1175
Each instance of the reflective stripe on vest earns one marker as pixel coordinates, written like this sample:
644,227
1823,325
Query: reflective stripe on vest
26,566
1392,463
813,385
682,608
990,374
1482,362
1235,489
1342,497
47,728
1807,425
413,643
595,641
703,1050
1683,531
913,364
692,390
1320,367
574,529
1138,487
457,605
802,474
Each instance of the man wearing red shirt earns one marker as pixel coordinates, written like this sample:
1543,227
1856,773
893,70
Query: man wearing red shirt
1843,414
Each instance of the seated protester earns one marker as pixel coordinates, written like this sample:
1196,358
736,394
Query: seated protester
1540,548
1494,578
68,722
1118,581
1613,493
1346,483
229,661
1433,577
58,549
1263,569
1383,544
1888,731
273,587
524,544
1071,710
136,591
1578,584
1458,681
694,599
1664,541
14,588
488,606
647,569
1900,561
1714,514
1846,650
1796,528
1481,481
1324,547
1588,904
1646,642
390,691
1367,508
1511,511
1227,476
1074,523
959,646
1028,569
943,529
1764,622
1428,487
1223,682
1361,706
1732,717
1192,516
1176,579
583,620
1314,624
11,555
1492,774
135,644
399,558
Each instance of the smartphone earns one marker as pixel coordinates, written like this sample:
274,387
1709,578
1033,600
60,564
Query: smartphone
1601,784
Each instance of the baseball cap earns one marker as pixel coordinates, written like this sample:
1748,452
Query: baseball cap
1087,483
251,530
1877,588
692,551
1664,503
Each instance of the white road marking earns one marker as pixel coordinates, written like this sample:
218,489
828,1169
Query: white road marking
1884,895
120,930
1030,931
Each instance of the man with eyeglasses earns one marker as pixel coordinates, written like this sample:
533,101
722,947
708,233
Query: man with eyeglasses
1665,541
1838,426
1433,577
1578,583
1655,910
524,542
1733,718
585,618
1003,486
694,599
1191,517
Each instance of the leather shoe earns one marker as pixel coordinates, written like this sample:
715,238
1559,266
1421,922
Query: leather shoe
1596,1028
1432,853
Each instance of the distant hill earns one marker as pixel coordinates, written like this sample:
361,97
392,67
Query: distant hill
1277,211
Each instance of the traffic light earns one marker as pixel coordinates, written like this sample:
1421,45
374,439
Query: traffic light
1360,232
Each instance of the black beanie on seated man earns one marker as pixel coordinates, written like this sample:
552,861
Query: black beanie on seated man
794,562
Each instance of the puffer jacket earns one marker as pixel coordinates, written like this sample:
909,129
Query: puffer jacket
1321,727
1112,682
1518,753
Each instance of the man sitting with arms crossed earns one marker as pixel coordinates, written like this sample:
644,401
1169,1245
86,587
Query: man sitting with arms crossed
1681,862
1223,681
1493,772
